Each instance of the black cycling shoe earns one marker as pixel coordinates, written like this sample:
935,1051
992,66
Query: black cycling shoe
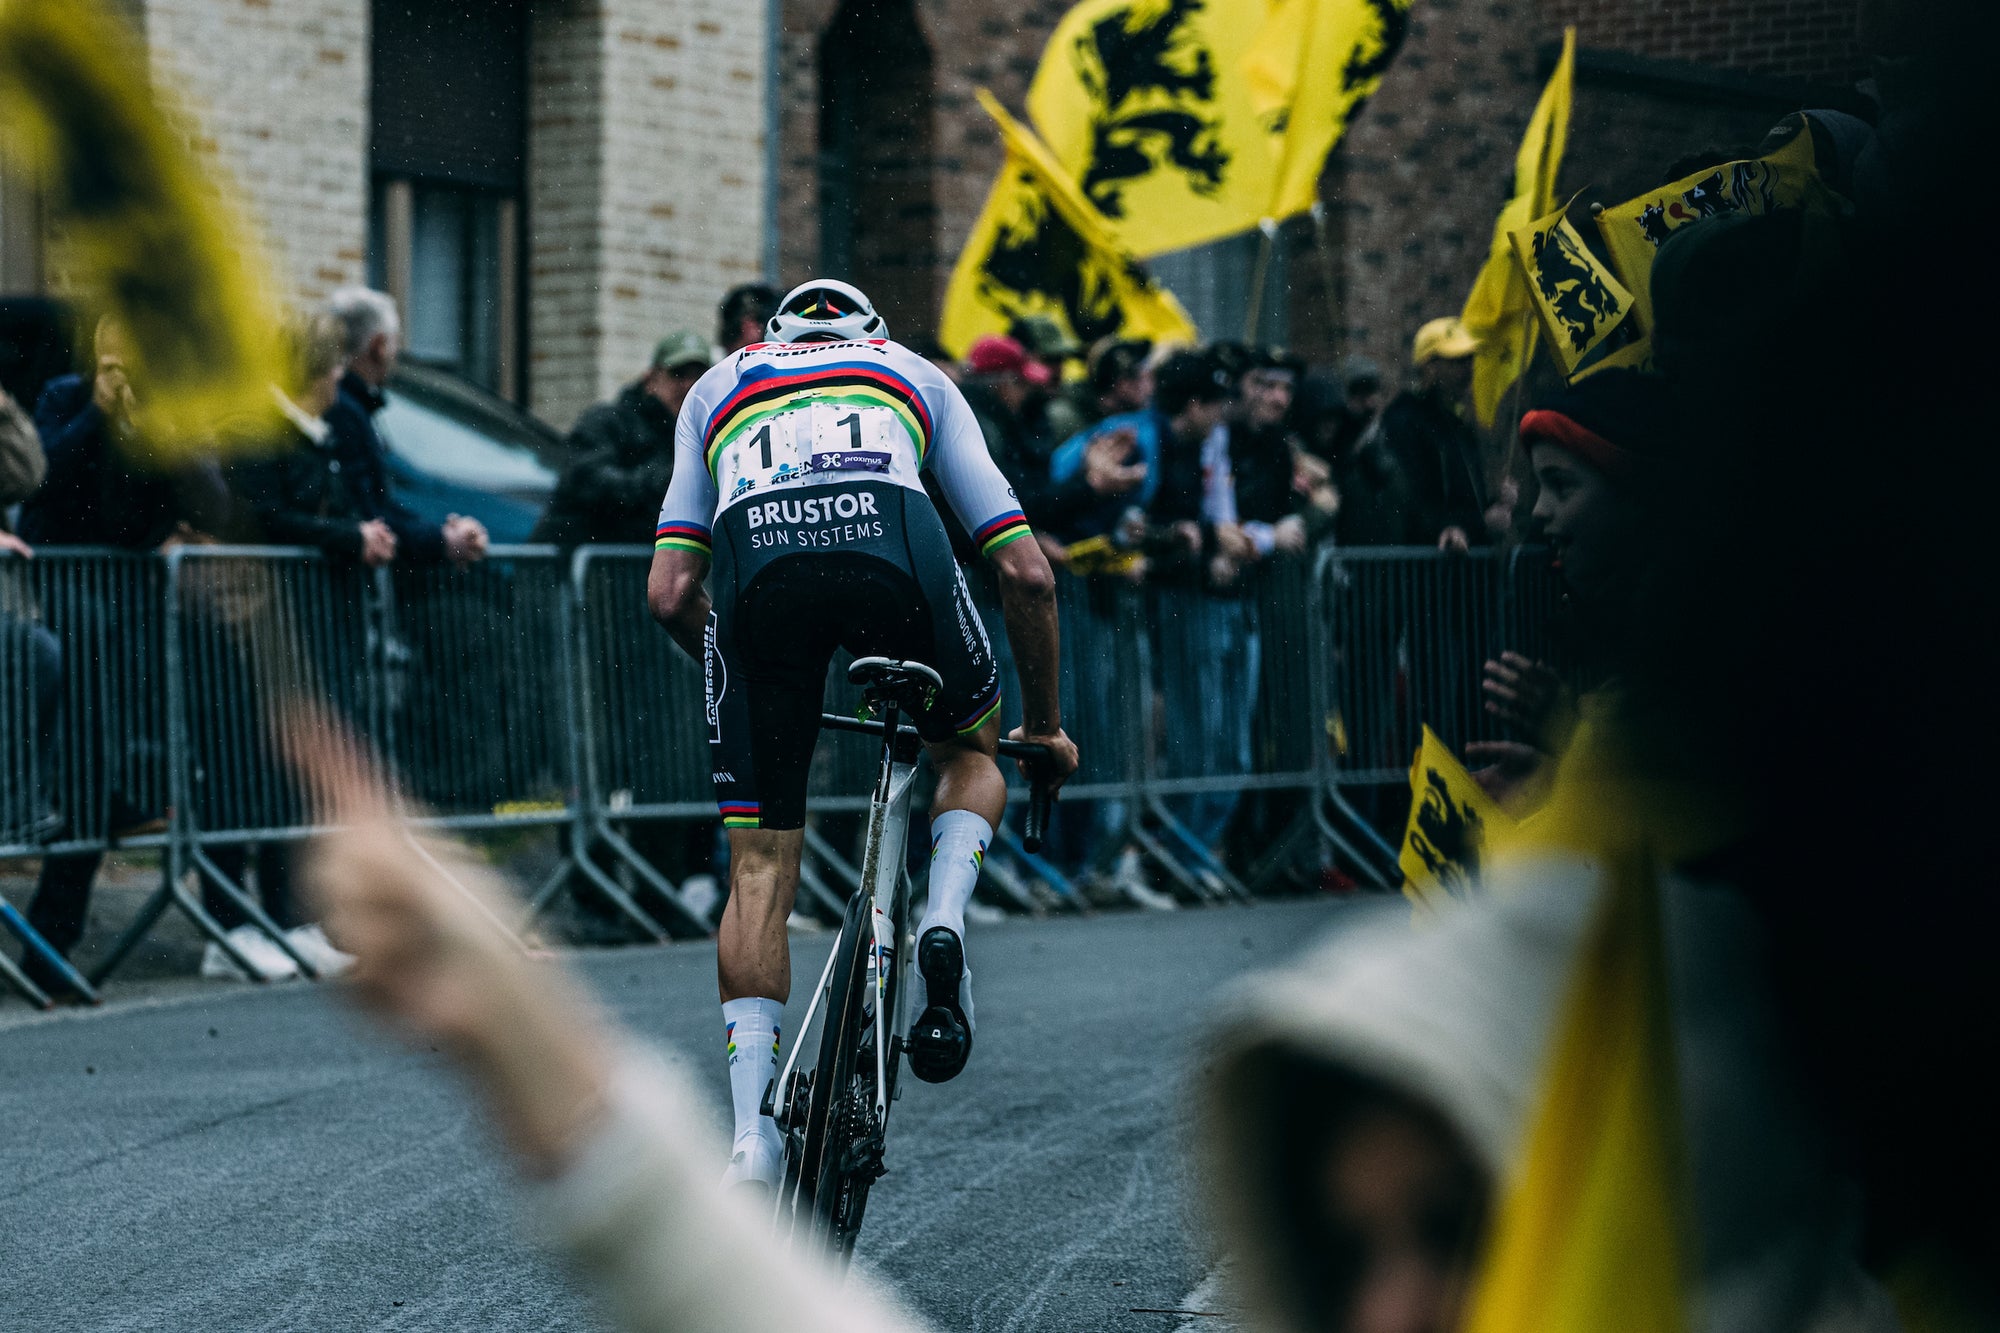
942,1039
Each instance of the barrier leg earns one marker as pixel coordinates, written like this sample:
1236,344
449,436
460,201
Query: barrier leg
841,868
16,978
823,893
33,945
250,908
1042,869
1302,831
1205,861
683,916
1368,850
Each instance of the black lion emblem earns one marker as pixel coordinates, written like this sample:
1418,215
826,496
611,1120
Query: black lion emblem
1120,66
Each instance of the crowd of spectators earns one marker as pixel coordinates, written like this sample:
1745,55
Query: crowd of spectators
1191,474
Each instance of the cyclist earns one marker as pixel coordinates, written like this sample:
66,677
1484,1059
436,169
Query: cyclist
798,471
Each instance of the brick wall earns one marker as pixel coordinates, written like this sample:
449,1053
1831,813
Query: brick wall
646,182
278,96
1806,40
994,46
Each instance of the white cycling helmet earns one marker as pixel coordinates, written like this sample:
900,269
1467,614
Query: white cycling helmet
824,310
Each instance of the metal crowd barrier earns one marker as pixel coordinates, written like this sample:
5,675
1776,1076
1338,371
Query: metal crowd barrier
138,696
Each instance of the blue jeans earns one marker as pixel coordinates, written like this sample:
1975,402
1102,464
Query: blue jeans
1207,660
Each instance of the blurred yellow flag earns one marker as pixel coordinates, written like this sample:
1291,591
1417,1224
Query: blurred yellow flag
1303,110
1497,310
1590,1231
1452,822
1039,248
152,243
1634,230
1579,300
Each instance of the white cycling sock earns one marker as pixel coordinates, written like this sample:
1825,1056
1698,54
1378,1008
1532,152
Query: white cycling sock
958,845
751,1031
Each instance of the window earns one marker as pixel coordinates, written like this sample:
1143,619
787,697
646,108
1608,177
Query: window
448,148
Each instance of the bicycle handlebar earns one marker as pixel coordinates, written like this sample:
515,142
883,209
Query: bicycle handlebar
1041,797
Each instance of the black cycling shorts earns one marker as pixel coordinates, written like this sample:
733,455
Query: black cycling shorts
864,566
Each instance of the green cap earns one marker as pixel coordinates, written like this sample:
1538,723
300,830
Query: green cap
682,348
1042,336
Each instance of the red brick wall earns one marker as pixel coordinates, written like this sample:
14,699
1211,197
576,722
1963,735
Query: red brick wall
1413,192
1807,40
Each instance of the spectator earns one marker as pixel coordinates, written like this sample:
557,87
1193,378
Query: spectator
1044,341
1189,400
1594,450
294,491
1118,379
1417,478
27,812
622,452
741,317
1360,404
371,340
97,492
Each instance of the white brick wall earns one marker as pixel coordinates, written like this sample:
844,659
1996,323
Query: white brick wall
279,95
646,170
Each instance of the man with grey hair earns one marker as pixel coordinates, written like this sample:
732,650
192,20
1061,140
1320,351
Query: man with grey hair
372,334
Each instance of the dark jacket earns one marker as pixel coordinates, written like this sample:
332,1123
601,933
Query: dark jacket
364,463
294,490
1415,474
95,495
621,459
1022,448
1260,464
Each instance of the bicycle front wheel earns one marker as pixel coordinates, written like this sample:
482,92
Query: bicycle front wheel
842,1151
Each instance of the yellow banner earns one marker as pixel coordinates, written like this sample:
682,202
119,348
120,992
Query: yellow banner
1634,230
1589,1234
1039,248
1302,110
1497,311
1579,300
150,240
1452,821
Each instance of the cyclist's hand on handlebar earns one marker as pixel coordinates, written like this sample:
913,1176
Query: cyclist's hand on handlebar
1061,762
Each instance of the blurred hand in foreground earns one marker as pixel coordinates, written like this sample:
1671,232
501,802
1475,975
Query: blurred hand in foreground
423,920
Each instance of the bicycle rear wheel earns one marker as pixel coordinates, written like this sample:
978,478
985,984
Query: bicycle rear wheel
842,1153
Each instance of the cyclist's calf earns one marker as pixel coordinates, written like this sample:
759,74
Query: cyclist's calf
752,954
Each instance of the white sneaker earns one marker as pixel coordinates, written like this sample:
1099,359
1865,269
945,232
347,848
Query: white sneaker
311,944
699,894
270,962
1130,880
983,914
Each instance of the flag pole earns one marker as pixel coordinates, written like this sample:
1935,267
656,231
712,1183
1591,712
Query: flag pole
1327,271
1268,231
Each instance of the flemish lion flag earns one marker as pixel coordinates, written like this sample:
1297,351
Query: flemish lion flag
1302,103
1580,302
1634,230
1452,821
1040,249
1496,312
152,242
1145,105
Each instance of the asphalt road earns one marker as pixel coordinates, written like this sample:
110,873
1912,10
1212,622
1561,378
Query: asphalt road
244,1159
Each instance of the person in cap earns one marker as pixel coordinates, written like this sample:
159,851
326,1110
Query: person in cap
1417,478
1049,343
622,451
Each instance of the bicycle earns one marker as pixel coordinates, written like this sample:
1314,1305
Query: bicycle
834,1117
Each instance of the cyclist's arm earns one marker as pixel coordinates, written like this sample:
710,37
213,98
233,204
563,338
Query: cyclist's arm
681,550
987,506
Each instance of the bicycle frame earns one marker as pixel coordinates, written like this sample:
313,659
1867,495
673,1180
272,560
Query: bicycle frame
885,880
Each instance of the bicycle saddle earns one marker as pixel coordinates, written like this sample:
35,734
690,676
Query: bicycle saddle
908,685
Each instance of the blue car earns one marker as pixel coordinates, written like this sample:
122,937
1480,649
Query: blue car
456,449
